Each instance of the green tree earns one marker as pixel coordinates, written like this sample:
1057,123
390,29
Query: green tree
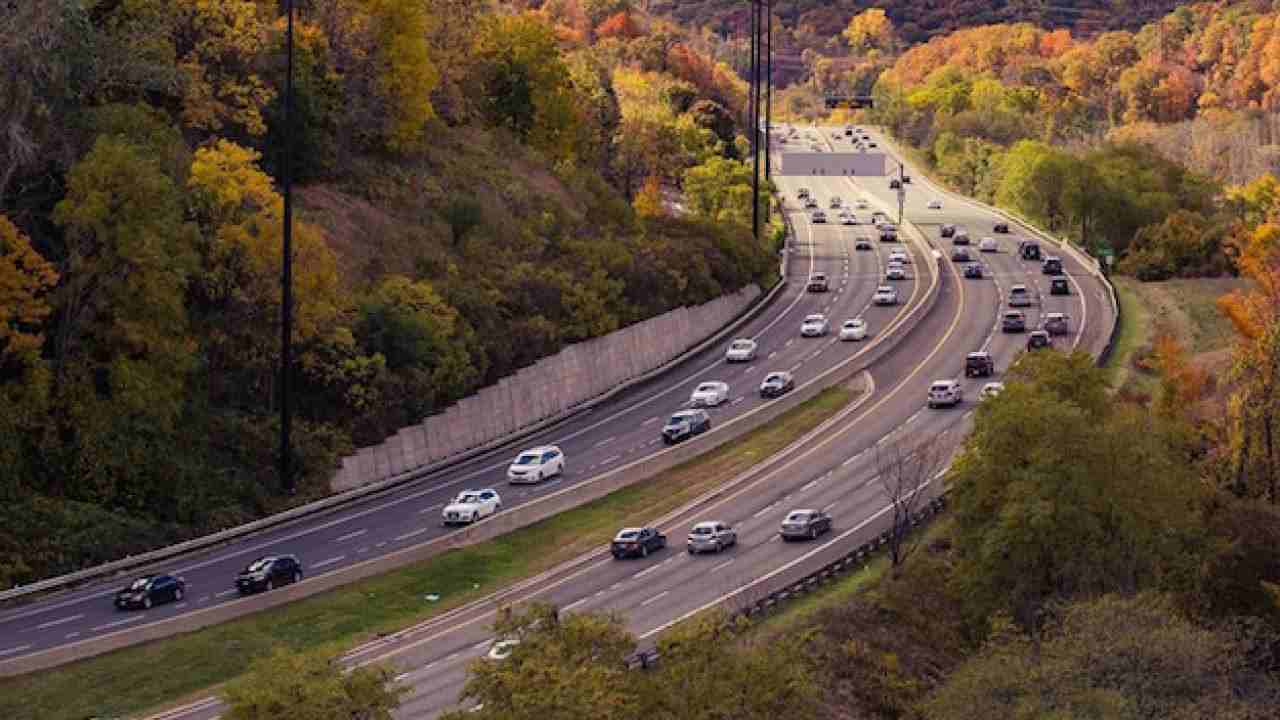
1031,181
288,685
719,190
408,75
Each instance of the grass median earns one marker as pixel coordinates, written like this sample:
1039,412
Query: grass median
131,680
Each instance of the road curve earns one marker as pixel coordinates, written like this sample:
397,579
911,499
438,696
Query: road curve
834,469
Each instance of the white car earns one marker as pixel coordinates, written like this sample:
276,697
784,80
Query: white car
895,271
536,464
935,204
709,394
835,202
990,390
470,506
501,649
854,329
988,244
1019,296
885,295
945,393
848,219
899,257
814,326
861,205
741,350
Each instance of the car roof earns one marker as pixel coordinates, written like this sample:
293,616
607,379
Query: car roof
1011,313
980,353
885,288
1018,286
815,316
706,523
1039,332
854,321
541,449
630,529
806,511
1055,315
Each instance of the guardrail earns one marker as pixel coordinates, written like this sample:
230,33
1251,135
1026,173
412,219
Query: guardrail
339,500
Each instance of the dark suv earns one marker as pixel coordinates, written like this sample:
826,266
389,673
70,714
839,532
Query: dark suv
1001,227
894,184
1059,286
1013,321
636,542
979,364
947,230
1029,250
266,573
150,590
1052,266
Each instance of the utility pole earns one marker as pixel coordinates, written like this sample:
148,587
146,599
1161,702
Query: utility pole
768,97
286,280
754,118
902,191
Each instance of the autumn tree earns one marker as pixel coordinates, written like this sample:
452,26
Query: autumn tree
407,74
719,190
289,685
220,45
26,279
871,30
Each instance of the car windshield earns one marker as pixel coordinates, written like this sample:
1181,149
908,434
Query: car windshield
1018,290
742,345
628,535
469,498
798,517
773,380
940,387
528,459
259,564
707,387
678,420
140,583
702,530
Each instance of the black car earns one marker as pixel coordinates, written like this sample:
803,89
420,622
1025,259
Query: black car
684,425
636,542
894,184
1001,227
979,364
267,573
888,233
1013,321
960,238
150,590
1039,339
906,179
1029,250
802,524
973,271
947,230
1052,266
1059,286
862,243
777,383
960,255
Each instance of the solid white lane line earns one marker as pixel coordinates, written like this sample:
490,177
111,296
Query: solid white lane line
350,535
118,623
724,564
330,561
606,441
413,533
655,598
15,649
59,621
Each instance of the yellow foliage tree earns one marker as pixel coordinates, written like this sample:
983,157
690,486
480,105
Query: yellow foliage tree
25,280
408,75
228,39
648,202
870,29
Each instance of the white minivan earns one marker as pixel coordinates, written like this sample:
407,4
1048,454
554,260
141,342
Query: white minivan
536,464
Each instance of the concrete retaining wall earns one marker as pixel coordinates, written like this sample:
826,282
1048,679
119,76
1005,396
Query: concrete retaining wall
544,390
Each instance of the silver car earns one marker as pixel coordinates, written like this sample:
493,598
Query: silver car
711,536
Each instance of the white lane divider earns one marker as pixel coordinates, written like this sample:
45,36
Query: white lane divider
788,343
413,533
724,564
808,485
763,510
179,606
350,535
772,355
575,603
611,459
362,550
15,649
651,421
795,367
59,621
738,400
655,598
429,508
72,635
330,561
606,441
118,623
224,593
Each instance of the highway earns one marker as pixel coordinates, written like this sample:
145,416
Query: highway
620,431
834,469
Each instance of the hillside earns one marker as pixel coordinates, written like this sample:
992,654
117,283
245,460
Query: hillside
476,187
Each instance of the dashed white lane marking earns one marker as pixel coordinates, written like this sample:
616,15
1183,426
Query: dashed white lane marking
224,593
59,621
179,606
795,367
653,441
414,533
750,369
574,604
381,544
655,598
738,400
610,459
724,564
763,510
15,649
203,599
72,635
650,569
364,549
350,535
788,343
606,441
117,623
330,561
828,506
772,355
774,538
651,421
808,485
429,508
815,355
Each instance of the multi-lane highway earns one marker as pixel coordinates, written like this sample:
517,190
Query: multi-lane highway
834,469
618,432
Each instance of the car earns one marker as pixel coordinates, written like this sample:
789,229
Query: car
818,283
710,394
1000,227
853,329
471,506
1013,321
1029,249
888,232
804,525
1059,286
1019,296
960,255
935,204
979,364
815,326
961,237
803,193
947,230
869,143
895,184
988,244
1039,339
878,217
149,591
268,572
945,393
684,425
536,464
1056,323
710,536
810,202
895,271
861,205
899,256
818,217
835,202
906,179
848,131
501,649
862,243
973,271
1052,265
741,350
777,383
636,542
848,219
885,295
990,390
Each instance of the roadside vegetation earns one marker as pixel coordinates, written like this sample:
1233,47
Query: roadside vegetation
477,185
325,624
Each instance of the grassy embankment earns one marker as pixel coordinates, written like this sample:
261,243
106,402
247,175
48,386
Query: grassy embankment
135,679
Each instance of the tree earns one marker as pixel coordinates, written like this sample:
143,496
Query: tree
408,75
649,202
903,475
289,685
719,190
220,45
870,30
26,279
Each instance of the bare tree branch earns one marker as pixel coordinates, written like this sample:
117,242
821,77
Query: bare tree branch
903,474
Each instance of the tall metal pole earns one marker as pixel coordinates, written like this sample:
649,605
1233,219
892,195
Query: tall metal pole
768,96
286,280
754,118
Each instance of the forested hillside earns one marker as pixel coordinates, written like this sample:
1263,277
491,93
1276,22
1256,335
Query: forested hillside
476,186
